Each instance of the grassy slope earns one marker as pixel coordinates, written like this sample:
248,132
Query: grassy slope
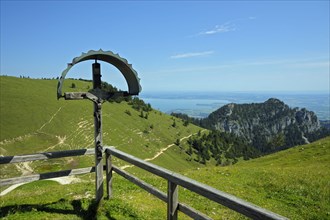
294,183
32,120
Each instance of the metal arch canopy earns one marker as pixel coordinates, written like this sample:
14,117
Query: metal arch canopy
120,63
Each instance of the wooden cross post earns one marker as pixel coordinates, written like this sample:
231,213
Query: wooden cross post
98,134
97,96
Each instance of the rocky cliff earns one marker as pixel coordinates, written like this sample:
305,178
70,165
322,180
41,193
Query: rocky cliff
268,126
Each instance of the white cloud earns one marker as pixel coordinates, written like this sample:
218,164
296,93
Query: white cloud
223,28
228,26
196,54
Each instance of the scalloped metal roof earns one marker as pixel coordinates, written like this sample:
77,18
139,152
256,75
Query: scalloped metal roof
131,76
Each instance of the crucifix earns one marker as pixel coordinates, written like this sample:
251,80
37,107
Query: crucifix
97,96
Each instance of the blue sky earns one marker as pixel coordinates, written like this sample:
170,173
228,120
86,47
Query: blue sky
174,46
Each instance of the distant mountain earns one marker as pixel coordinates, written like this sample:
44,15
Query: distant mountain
268,126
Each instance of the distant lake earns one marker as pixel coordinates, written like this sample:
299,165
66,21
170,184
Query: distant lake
201,104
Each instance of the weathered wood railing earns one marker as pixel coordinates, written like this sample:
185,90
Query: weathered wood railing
46,156
174,181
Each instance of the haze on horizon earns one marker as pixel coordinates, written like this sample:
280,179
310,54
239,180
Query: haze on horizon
174,46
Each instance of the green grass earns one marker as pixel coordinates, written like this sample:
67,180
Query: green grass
73,202
294,183
33,120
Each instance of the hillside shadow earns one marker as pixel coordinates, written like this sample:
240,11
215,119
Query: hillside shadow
61,206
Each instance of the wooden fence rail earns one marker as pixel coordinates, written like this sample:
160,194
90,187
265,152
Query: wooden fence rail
174,181
44,176
45,156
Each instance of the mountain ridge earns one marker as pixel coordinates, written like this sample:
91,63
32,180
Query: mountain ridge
269,126
269,120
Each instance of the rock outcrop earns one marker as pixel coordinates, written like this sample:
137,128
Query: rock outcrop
268,125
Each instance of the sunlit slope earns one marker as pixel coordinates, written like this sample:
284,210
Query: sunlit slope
33,120
294,183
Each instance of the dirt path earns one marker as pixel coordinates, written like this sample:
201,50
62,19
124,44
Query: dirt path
164,149
61,180
11,188
161,151
24,167
50,120
22,137
19,138
61,140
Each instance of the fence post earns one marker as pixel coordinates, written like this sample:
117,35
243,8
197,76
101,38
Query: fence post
98,135
109,174
172,203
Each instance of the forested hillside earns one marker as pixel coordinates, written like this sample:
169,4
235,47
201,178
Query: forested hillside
251,130
268,125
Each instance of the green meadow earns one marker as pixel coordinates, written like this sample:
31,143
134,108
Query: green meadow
294,183
33,120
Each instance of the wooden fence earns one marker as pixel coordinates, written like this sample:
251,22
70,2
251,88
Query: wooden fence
174,181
